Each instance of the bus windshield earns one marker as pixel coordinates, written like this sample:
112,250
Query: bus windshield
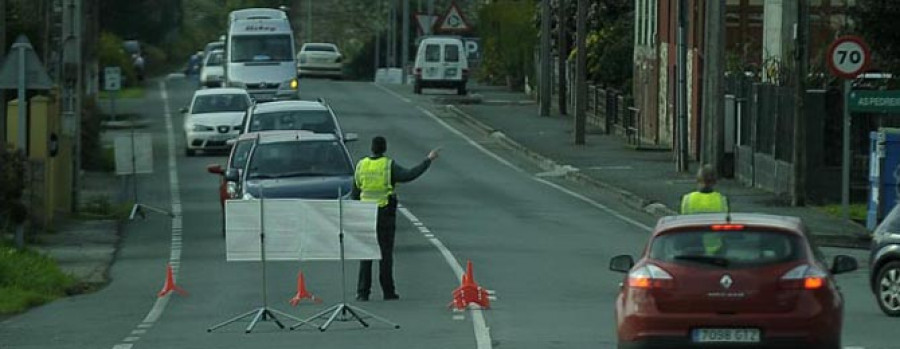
261,48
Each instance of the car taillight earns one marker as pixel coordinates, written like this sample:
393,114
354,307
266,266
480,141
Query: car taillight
804,277
231,190
727,227
650,277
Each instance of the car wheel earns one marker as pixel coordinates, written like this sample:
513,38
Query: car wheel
189,152
461,90
887,288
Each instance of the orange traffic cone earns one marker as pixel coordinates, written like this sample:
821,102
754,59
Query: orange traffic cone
469,292
170,284
302,293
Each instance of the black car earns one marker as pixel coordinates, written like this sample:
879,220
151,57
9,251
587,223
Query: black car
884,271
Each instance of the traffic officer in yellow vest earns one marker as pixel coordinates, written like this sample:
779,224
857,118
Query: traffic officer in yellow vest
375,178
706,200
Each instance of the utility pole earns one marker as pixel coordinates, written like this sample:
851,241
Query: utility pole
404,51
309,20
3,54
581,72
681,91
392,34
713,109
801,57
562,49
545,87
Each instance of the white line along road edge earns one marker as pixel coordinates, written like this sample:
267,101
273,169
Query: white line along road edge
175,248
482,332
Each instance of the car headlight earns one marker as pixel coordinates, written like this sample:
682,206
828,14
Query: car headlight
201,128
295,84
248,196
303,59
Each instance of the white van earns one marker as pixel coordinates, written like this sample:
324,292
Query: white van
259,55
441,63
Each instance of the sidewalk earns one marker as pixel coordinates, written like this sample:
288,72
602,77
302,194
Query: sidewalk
646,180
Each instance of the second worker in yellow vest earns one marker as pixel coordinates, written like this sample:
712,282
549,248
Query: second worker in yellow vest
374,181
706,200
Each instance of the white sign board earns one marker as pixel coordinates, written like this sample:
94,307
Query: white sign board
143,154
112,78
298,229
848,57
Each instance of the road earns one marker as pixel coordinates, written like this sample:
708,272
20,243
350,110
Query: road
541,244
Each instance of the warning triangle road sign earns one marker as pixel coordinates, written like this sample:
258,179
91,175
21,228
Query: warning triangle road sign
425,22
36,77
453,21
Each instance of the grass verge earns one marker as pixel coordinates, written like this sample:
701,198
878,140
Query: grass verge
857,211
28,279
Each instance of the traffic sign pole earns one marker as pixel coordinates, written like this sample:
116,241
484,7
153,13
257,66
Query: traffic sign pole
849,56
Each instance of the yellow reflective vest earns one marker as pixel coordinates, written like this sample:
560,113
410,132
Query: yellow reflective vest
699,202
373,178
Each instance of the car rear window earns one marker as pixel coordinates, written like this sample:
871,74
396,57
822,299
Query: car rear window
298,159
451,53
318,48
219,103
731,249
317,121
432,53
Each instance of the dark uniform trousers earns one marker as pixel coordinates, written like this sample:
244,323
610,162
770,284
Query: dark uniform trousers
385,228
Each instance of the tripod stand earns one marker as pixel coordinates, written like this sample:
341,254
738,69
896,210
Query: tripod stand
343,311
263,313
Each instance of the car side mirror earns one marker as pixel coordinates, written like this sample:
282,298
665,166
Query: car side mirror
232,175
184,110
215,169
621,263
843,264
351,137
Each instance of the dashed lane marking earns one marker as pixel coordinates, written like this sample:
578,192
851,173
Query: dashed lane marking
176,227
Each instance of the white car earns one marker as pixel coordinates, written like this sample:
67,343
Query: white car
213,74
213,118
320,59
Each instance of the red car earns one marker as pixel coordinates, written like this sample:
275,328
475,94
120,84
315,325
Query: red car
738,280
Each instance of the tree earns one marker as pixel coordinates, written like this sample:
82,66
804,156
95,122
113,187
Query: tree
875,22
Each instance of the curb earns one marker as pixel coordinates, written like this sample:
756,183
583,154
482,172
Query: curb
656,209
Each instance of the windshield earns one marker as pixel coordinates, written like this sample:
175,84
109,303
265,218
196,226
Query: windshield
215,59
732,249
317,121
261,48
219,103
298,159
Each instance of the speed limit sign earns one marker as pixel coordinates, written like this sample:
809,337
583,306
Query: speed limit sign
848,57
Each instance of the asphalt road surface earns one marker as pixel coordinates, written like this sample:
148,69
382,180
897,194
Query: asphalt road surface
539,243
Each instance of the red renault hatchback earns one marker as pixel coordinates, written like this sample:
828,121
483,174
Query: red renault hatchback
748,280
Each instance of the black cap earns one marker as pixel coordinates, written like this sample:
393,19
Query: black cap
379,145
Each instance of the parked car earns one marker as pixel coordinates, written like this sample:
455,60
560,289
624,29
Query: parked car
884,263
212,74
213,118
441,63
314,116
285,164
733,280
320,59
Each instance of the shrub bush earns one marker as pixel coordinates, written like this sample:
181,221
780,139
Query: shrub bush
12,175
110,53
28,278
508,36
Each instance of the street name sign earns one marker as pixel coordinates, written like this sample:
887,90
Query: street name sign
885,102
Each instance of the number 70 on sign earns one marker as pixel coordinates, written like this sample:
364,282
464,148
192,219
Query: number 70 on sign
848,57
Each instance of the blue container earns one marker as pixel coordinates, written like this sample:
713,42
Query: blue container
884,174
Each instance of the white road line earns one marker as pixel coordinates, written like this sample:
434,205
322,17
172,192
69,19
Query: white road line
395,94
176,225
482,332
